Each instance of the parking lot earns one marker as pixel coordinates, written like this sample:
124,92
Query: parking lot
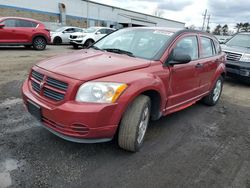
198,147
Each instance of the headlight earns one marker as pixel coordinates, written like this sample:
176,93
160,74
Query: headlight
100,92
245,58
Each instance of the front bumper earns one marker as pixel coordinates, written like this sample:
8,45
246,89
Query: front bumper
238,69
79,41
73,121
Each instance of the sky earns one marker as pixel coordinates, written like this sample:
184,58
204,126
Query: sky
191,12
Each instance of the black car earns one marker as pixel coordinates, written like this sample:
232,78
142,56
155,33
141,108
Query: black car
238,56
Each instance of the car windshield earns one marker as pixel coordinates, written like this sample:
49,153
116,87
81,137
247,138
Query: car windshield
142,43
242,40
90,30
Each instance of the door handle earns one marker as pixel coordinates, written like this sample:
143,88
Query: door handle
198,65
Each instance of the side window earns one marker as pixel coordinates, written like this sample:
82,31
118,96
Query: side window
206,47
102,31
25,23
217,47
70,30
108,31
10,23
188,45
78,30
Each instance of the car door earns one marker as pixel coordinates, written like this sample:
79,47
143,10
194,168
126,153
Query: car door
184,78
100,33
7,32
66,34
208,64
24,30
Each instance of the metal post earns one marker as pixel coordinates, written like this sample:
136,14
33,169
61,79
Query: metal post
87,13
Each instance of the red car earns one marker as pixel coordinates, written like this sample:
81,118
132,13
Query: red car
122,81
23,31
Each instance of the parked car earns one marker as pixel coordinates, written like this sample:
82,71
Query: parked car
222,39
61,35
238,56
122,81
23,31
89,36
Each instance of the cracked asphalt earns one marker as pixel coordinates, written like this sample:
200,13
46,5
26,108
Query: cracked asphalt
198,147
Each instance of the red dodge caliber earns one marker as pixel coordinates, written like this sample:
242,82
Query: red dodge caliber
122,81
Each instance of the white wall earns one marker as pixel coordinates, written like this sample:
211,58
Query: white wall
79,8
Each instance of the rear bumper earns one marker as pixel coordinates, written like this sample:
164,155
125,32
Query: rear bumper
77,122
238,69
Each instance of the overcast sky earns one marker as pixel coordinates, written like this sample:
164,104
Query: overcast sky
191,11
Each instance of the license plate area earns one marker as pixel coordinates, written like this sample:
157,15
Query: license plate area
34,110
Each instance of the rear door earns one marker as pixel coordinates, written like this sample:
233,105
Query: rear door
209,61
184,78
24,30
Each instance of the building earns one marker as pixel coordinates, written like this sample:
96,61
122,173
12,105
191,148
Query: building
82,13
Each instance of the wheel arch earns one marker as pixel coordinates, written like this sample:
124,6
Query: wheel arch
40,35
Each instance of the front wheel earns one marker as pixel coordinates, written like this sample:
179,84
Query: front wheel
134,124
75,46
39,43
215,94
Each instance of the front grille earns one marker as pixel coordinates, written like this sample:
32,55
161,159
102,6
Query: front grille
73,130
48,87
73,37
233,56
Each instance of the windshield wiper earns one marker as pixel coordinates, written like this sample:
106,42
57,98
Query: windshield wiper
119,51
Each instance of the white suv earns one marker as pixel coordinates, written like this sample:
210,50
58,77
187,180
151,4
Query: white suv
89,36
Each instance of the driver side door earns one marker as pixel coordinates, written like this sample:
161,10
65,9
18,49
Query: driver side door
184,78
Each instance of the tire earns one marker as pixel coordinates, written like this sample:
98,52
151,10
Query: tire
57,40
75,46
134,124
88,43
39,43
215,93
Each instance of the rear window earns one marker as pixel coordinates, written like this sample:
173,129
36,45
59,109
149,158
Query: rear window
19,23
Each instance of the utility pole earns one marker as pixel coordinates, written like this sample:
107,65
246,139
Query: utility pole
204,19
87,13
208,22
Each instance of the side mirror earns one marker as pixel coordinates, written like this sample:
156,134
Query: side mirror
179,58
98,33
2,25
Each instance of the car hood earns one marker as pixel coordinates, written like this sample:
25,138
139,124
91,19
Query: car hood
235,49
91,64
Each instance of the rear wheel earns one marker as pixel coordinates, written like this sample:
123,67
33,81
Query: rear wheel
39,43
134,124
57,40
215,94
